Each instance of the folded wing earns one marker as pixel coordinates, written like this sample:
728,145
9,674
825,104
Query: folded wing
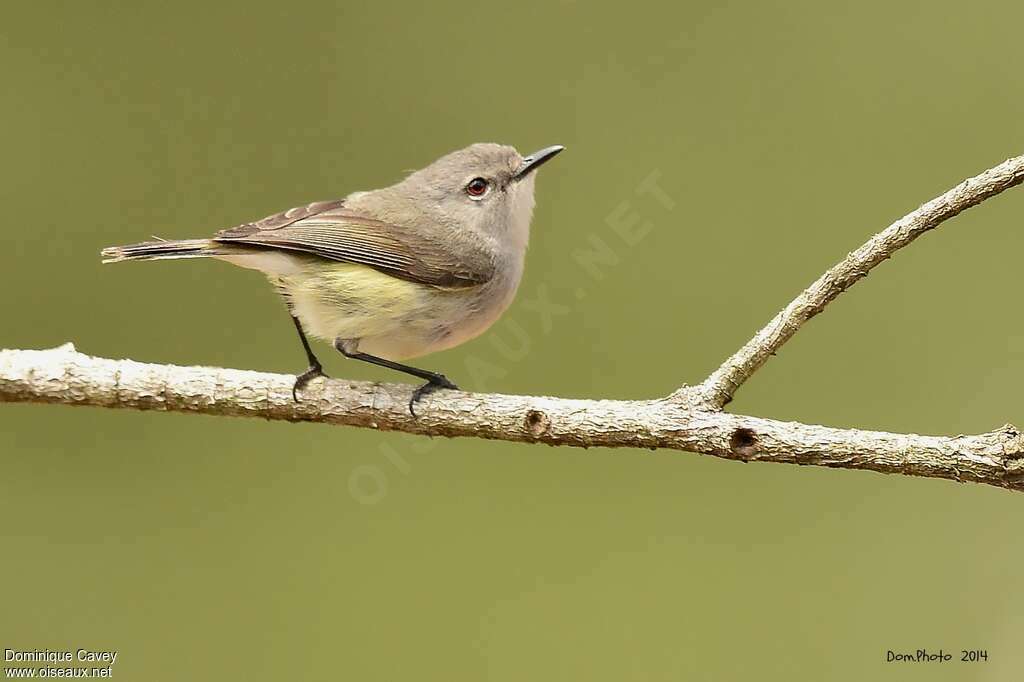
327,230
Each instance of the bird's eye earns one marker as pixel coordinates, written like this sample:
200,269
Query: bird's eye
477,187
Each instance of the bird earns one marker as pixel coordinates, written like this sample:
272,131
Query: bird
390,274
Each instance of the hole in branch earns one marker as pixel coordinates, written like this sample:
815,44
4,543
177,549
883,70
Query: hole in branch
743,442
537,423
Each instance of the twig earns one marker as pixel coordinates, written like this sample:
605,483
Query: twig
720,387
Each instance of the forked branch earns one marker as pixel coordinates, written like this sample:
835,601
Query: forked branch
690,419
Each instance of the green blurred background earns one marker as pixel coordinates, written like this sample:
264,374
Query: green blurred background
784,135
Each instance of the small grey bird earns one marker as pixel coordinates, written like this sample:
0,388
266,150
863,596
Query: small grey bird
393,273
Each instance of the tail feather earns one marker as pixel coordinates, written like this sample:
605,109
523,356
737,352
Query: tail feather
155,250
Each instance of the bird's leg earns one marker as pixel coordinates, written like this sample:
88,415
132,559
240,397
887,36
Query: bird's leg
433,379
314,370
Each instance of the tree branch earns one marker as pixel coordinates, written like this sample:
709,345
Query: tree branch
720,387
62,375
690,419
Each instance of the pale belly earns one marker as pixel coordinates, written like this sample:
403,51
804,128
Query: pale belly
389,317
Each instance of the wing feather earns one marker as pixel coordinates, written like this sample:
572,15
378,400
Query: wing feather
328,230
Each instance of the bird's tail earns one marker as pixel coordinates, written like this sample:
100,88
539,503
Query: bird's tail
156,250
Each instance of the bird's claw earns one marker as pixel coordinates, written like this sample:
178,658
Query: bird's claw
438,382
313,372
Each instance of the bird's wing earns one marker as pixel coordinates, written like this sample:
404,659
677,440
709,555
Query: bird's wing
326,229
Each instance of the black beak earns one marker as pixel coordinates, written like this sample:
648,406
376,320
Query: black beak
536,160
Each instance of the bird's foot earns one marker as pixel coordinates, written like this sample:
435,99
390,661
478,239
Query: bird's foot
437,382
313,372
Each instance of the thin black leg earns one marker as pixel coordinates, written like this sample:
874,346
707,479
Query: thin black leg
314,370
433,379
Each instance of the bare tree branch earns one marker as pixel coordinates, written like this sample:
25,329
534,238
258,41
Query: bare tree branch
690,419
62,375
720,387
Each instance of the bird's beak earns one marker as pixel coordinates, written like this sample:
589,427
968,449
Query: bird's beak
536,160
